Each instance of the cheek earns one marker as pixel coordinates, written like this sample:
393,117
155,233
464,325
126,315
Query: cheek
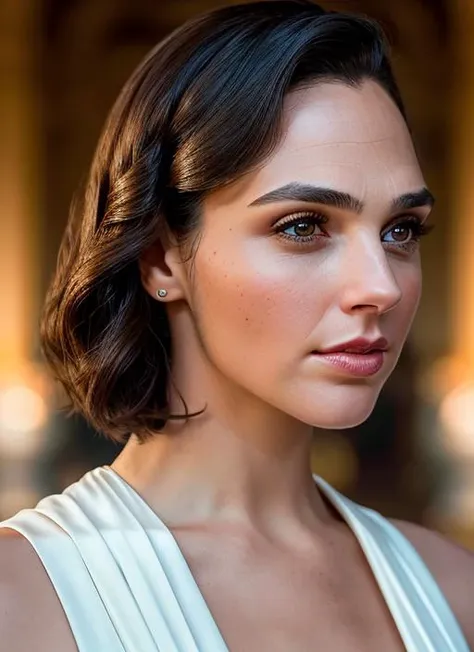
255,302
410,282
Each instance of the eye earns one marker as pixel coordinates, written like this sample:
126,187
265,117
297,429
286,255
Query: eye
302,227
406,232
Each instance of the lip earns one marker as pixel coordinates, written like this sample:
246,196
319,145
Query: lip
356,364
360,345
359,357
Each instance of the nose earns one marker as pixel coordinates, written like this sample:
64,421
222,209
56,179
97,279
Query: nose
368,282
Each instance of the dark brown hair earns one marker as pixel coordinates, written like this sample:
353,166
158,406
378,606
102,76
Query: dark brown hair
204,107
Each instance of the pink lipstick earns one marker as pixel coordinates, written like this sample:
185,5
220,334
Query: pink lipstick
359,357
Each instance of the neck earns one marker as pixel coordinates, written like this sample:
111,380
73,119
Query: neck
241,461
207,471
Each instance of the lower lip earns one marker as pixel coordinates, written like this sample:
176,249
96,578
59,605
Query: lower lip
357,364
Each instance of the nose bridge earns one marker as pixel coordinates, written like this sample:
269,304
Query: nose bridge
368,279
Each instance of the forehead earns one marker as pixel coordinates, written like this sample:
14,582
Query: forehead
352,138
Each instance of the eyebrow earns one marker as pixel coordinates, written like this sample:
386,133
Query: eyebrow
295,191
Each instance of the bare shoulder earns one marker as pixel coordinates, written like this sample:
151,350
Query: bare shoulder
31,616
451,565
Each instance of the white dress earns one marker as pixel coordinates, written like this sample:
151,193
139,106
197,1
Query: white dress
125,586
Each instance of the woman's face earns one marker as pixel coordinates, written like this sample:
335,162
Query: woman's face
317,248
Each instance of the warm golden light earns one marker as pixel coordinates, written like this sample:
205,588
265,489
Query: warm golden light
461,193
19,184
23,413
457,416
21,409
442,377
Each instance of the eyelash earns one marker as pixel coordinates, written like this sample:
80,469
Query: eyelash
417,226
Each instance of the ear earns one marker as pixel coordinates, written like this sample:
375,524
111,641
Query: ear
162,268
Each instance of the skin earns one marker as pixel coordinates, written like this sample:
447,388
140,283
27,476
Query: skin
234,485
251,307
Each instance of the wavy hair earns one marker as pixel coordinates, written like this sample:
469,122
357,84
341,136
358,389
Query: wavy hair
203,108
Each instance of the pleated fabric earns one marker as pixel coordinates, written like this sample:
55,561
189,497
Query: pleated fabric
125,586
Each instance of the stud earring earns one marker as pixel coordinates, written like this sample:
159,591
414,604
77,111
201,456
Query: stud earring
161,293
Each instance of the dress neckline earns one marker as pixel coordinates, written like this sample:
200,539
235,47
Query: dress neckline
341,504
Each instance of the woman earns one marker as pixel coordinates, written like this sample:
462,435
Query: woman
244,266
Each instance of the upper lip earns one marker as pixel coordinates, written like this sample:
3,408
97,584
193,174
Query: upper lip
359,345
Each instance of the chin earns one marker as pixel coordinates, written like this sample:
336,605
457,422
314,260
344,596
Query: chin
338,408
342,421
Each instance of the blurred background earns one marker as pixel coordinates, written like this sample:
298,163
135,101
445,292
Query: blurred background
62,63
